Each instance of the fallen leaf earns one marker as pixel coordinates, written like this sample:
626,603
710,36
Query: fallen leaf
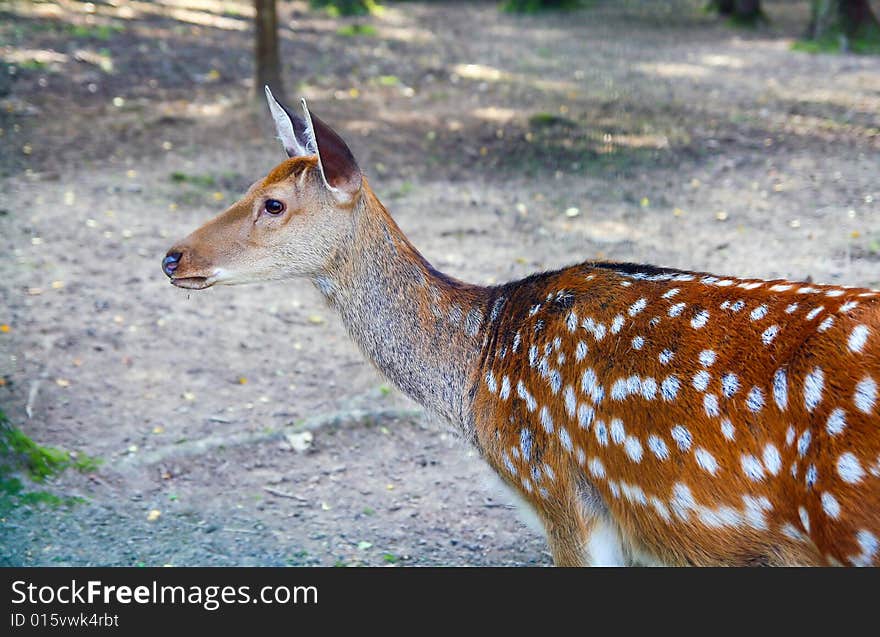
188,395
363,545
721,215
62,382
316,319
153,515
4,328
300,441
572,212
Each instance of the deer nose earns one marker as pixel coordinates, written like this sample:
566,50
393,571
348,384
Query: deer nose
170,263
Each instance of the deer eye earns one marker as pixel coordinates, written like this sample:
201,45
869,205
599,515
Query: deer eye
274,207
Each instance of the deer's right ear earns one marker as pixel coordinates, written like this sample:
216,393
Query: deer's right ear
291,128
338,167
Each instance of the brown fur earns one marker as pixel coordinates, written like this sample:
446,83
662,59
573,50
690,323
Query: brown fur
507,367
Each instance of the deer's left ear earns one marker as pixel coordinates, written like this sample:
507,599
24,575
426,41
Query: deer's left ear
339,170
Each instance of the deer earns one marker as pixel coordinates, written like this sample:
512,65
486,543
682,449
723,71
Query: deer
645,415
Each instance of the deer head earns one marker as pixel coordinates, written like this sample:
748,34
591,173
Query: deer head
288,224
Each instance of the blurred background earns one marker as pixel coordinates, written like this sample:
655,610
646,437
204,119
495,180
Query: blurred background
145,425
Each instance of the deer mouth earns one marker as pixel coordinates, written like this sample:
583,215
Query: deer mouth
192,282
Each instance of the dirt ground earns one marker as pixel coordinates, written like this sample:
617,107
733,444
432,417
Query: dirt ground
636,131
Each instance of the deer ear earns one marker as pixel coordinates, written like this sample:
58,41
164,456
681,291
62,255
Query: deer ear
292,129
339,169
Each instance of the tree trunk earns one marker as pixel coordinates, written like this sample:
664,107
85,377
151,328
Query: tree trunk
746,10
849,18
268,61
723,7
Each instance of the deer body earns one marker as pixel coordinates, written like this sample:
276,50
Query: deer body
645,415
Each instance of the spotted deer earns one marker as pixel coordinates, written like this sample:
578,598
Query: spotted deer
646,415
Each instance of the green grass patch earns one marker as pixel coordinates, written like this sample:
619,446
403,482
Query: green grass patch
355,30
836,42
336,8
18,453
205,181
547,120
538,6
95,31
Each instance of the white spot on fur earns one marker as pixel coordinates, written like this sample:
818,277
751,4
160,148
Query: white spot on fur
570,401
706,460
758,313
666,356
546,420
701,380
836,422
710,404
585,415
491,382
869,545
670,293
669,388
729,384
505,388
601,432
849,468
866,395
633,448
769,334
565,439
814,312
772,459
830,505
658,447
617,324
580,351
826,324
707,358
755,399
791,309
638,342
814,383
780,389
700,319
803,443
637,307
597,469
805,518
752,467
727,429
524,394
618,434
857,338
677,309
682,437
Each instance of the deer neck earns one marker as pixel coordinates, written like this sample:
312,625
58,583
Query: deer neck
422,329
